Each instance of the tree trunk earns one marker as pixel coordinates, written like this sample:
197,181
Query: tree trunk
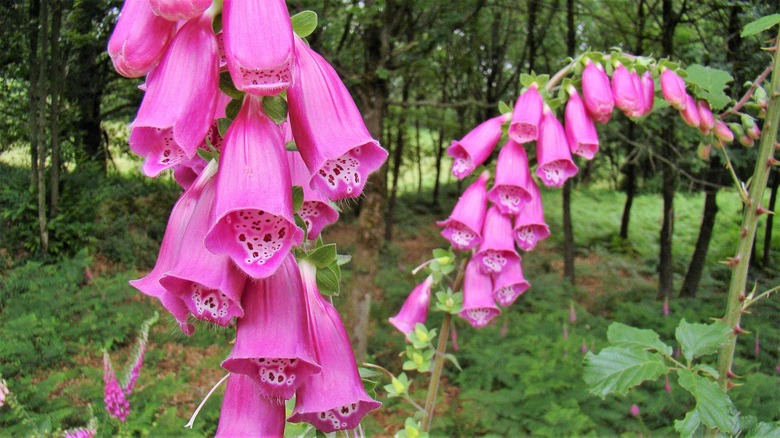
770,219
398,155
42,143
56,78
568,227
439,157
33,95
418,154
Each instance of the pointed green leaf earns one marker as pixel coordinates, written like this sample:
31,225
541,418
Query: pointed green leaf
688,425
760,25
291,146
216,24
764,430
526,80
503,108
343,259
323,256
297,197
300,223
621,335
367,373
304,23
328,281
227,87
454,360
222,125
712,404
616,369
710,84
275,108
700,339
232,108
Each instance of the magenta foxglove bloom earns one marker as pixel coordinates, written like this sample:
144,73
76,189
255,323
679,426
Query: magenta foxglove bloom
316,210
497,249
116,401
83,432
335,398
509,284
552,152
3,391
258,39
530,227
328,128
526,116
473,149
478,305
186,172
648,89
512,175
179,9
139,39
253,217
706,120
673,89
597,93
180,99
272,339
209,284
628,92
247,413
415,308
463,228
634,411
580,130
722,132
690,113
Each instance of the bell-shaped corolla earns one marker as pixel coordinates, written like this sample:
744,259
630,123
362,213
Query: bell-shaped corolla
316,210
209,284
475,147
706,119
597,93
272,339
139,39
258,39
648,89
415,308
328,128
497,248
580,130
175,10
180,99
335,398
247,413
722,131
463,228
690,113
512,175
530,227
553,155
478,305
524,126
509,284
252,216
673,89
627,91
186,172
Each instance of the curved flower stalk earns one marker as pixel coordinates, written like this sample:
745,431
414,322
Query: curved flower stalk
526,116
273,347
464,226
530,227
179,9
415,308
247,413
553,154
180,100
335,398
580,130
497,249
473,149
139,39
509,284
253,224
512,175
328,128
478,305
258,40
316,211
597,92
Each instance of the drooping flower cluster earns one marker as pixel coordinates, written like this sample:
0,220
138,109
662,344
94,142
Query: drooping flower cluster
3,391
226,256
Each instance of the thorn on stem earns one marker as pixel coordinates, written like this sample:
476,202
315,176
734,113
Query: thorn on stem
742,297
772,161
738,330
744,232
761,210
733,261
730,374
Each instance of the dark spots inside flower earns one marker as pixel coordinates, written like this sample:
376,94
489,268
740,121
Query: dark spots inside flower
241,237
267,238
280,379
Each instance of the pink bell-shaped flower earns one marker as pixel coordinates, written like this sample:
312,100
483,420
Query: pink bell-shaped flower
706,120
253,218
415,308
247,413
552,152
497,248
722,132
648,89
180,99
335,398
673,89
690,113
478,305
139,39
175,10
272,339
627,90
580,130
258,39
530,227
597,93
209,284
316,210
463,228
509,284
328,128
186,172
115,398
473,149
526,116
512,174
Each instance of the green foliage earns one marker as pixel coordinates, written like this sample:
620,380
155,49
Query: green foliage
304,23
713,407
616,369
760,25
700,339
709,84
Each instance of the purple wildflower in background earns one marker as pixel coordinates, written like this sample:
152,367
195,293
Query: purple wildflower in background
415,308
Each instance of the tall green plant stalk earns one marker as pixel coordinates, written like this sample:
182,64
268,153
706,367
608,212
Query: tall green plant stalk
754,209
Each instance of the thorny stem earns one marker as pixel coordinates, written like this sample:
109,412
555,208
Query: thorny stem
750,301
748,94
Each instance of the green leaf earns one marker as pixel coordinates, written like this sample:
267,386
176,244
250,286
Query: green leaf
297,197
616,369
503,108
526,80
291,146
275,108
300,223
454,360
712,404
621,335
367,373
227,86
323,256
216,24
232,108
304,23
688,425
343,259
700,339
764,430
760,25
710,84
223,124
328,279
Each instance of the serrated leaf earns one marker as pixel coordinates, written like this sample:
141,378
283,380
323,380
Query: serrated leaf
621,335
232,109
764,430
503,108
760,25
323,256
710,84
223,124
700,339
616,369
304,23
688,425
712,404
227,86
328,279
706,369
297,197
275,108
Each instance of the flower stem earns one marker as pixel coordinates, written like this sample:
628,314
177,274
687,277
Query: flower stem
203,402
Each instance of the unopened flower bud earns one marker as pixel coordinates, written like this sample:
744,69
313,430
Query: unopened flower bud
722,132
673,89
597,93
690,113
634,411
706,121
